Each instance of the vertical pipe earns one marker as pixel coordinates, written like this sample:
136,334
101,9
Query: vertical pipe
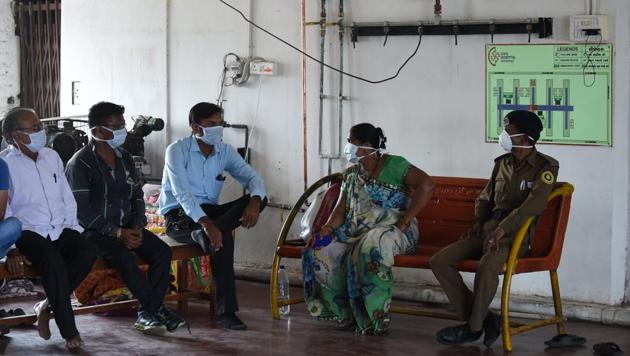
304,123
169,125
322,45
250,34
341,36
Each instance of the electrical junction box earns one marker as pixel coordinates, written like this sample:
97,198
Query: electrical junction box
591,27
262,68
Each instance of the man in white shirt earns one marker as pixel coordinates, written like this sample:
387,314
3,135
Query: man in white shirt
39,196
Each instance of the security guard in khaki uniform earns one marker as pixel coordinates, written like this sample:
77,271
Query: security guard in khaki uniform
520,184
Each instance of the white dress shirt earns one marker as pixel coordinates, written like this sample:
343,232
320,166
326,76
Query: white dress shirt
39,194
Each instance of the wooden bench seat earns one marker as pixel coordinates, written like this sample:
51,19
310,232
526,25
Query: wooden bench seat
181,253
448,214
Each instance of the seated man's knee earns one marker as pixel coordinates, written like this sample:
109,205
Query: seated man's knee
440,260
88,252
11,227
491,264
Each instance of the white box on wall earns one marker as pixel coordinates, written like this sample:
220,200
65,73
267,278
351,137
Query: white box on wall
580,24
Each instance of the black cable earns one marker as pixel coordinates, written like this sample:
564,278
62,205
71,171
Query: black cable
590,62
324,64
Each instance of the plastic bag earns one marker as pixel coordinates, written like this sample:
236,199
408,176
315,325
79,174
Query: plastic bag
306,224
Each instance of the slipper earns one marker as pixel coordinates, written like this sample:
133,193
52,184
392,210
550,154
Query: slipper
16,312
565,340
607,349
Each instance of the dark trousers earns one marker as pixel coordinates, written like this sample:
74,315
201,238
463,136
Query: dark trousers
226,218
149,290
63,264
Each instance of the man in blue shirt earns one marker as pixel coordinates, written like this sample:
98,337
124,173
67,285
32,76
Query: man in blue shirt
191,185
10,228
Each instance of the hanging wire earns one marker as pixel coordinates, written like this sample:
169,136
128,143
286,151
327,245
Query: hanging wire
323,63
589,62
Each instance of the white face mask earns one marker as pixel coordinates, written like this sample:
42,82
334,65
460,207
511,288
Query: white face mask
212,135
120,136
505,141
350,151
38,140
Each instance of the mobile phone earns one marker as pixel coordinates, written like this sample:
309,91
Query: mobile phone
321,241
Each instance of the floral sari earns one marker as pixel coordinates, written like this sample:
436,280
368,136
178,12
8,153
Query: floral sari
350,280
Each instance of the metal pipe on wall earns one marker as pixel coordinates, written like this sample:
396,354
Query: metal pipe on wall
322,48
323,26
340,97
304,116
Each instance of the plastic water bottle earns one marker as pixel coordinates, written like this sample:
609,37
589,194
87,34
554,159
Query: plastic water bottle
283,290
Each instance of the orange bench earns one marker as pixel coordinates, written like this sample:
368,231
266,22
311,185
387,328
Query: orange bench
448,214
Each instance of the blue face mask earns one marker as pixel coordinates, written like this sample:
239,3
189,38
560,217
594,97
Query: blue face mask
38,140
120,136
212,135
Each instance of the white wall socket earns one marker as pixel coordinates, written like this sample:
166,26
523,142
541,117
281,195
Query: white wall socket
76,90
580,23
262,68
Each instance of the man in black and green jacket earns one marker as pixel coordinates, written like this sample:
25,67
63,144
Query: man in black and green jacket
109,196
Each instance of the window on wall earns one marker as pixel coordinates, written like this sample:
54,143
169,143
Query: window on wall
38,28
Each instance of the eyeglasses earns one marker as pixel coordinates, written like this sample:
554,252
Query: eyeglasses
31,129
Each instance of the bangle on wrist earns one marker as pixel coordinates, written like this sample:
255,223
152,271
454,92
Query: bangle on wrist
119,233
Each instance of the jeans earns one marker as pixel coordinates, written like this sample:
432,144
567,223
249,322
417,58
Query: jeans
10,231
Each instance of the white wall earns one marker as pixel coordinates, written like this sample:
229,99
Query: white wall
432,114
9,59
117,55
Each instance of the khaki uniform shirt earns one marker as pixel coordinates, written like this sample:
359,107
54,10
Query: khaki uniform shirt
515,192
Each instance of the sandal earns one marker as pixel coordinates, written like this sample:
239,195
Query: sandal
607,349
565,340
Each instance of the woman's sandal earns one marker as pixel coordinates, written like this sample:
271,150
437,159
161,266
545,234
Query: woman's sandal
345,325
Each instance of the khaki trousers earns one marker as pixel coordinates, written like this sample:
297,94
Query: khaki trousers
471,306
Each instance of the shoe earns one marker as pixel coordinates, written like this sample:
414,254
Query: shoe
455,335
231,321
169,318
149,324
491,329
200,238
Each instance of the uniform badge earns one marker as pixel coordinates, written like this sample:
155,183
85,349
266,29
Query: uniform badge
547,177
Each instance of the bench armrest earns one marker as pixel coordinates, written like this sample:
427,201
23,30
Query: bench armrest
512,261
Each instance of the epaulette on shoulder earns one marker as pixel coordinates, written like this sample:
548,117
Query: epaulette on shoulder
549,159
502,157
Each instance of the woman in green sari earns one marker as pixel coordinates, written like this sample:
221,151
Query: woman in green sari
347,265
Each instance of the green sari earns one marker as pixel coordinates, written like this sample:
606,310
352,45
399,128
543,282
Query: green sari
350,280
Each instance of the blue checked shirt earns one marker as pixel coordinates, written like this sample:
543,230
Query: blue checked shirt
190,179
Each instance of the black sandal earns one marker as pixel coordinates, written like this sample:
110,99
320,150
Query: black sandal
607,349
565,340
